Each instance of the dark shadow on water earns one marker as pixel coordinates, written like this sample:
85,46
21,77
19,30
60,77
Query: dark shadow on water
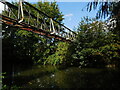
72,77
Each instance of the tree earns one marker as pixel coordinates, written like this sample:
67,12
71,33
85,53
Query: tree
111,9
92,36
62,55
51,9
26,48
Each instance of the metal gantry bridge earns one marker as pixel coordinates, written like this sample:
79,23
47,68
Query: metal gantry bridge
21,15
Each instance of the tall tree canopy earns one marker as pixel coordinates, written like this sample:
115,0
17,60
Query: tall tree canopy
95,44
106,8
23,47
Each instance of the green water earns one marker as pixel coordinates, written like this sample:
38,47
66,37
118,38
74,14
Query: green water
72,77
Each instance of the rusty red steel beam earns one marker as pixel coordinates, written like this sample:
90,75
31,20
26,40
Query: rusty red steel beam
27,27
27,13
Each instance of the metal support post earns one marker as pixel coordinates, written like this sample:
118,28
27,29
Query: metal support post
20,9
53,28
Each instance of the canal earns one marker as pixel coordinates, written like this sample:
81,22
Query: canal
72,77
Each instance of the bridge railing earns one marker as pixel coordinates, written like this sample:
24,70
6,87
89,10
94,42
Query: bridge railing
27,13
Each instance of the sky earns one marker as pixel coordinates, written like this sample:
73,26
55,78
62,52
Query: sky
72,11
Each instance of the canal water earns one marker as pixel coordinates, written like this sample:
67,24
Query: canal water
72,77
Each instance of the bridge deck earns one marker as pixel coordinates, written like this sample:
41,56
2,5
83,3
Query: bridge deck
27,27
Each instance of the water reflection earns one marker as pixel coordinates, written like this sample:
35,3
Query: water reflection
73,77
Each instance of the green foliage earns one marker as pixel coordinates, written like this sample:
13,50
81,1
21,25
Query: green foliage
95,44
14,87
61,56
26,46
111,54
2,76
107,9
51,9
5,87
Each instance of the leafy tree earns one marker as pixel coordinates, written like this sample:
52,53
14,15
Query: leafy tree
92,36
26,48
111,54
106,8
23,48
62,55
51,9
111,9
